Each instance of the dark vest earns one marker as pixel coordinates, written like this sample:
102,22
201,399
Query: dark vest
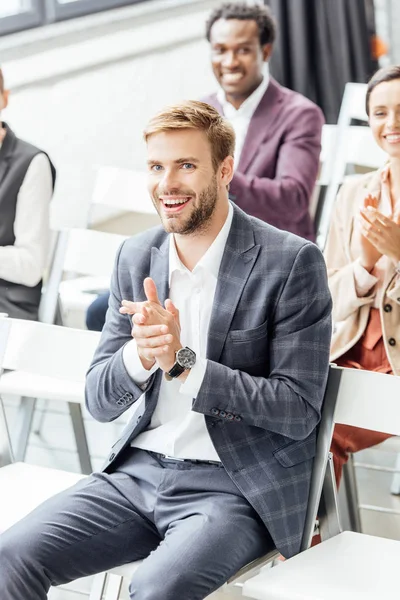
19,301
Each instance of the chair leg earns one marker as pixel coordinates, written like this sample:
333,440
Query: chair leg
395,487
114,584
98,585
75,411
24,425
40,421
350,482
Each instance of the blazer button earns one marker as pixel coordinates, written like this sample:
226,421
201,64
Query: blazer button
392,342
230,417
387,308
222,413
214,411
238,418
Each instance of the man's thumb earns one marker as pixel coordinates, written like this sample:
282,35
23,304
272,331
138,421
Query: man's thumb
150,290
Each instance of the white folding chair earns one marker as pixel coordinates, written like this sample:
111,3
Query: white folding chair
87,257
348,565
48,362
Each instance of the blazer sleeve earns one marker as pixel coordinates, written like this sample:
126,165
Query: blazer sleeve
110,391
340,268
286,198
288,401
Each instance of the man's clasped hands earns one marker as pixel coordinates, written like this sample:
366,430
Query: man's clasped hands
156,328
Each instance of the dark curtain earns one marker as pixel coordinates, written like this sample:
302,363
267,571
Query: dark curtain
321,45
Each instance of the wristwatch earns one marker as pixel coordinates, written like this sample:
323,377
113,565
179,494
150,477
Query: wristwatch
185,359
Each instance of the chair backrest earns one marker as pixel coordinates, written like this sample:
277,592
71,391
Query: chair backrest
122,189
369,400
81,252
351,144
48,350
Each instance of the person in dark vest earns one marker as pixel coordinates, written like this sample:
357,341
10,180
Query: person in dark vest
27,178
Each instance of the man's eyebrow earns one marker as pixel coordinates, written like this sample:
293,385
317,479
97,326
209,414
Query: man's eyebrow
189,159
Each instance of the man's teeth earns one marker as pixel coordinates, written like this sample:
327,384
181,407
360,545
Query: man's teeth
173,202
232,76
393,137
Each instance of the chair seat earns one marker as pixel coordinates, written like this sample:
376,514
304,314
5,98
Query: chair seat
23,487
20,383
349,566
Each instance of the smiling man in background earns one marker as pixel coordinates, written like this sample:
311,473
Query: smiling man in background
278,131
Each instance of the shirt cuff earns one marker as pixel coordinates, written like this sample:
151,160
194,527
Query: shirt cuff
363,280
134,366
194,380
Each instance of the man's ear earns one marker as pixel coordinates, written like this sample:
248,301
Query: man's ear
266,52
226,170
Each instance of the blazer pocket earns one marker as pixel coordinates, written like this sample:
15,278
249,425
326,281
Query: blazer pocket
296,452
247,335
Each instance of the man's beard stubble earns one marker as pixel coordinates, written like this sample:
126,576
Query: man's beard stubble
200,216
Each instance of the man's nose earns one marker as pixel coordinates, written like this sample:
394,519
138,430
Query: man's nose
169,180
230,60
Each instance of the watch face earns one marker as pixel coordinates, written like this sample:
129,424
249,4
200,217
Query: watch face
186,357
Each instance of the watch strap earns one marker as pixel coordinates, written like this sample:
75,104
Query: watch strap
176,370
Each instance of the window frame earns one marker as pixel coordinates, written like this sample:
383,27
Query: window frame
23,20
56,12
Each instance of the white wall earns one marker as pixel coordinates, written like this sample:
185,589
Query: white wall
96,117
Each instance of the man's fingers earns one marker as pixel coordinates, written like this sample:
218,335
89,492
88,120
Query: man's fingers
171,308
154,342
147,331
150,290
130,308
151,353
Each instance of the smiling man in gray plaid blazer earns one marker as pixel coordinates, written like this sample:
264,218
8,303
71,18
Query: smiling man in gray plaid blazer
221,324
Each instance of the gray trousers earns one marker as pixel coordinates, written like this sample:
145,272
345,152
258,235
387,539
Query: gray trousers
188,521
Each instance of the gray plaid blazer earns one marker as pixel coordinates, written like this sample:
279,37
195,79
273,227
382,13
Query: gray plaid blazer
268,358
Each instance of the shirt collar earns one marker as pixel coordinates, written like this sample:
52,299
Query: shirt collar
211,260
249,106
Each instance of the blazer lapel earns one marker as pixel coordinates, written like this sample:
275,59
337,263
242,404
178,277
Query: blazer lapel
6,152
159,269
261,124
237,263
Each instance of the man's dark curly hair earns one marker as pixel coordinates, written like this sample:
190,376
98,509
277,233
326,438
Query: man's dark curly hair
246,12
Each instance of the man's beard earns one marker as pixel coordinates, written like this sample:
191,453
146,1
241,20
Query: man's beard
200,216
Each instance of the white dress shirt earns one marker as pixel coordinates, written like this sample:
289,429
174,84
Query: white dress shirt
25,261
240,118
175,429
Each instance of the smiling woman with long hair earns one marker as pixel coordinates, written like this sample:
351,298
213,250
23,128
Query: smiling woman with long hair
363,260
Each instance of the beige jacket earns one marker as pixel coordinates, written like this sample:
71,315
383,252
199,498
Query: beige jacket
350,313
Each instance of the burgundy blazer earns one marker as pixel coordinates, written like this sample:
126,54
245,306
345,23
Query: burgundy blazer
278,166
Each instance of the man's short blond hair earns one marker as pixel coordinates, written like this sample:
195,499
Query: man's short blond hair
202,117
